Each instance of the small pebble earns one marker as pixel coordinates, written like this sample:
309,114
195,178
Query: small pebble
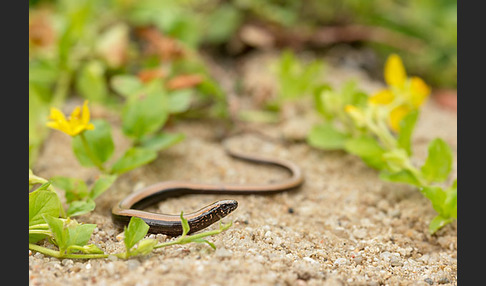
39,255
443,281
66,262
429,281
308,259
120,236
395,261
341,261
133,264
358,259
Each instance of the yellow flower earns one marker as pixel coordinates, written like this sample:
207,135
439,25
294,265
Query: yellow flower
403,94
384,96
395,74
396,116
77,122
419,91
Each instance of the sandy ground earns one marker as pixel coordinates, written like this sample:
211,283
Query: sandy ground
342,227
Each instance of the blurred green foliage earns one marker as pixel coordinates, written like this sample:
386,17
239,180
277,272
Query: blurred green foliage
76,47
432,24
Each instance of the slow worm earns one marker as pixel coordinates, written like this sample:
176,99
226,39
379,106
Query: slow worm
133,204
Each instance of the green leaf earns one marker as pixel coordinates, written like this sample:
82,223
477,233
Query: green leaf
162,141
437,197
43,72
145,115
403,176
136,230
79,234
438,222
75,189
439,161
185,225
407,126
212,88
325,136
320,93
99,141
88,249
295,77
35,237
126,85
368,149
101,185
180,100
133,158
443,201
144,247
77,208
60,234
450,203
91,82
43,202
69,235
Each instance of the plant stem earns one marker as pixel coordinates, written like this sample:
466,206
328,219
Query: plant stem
385,136
43,226
409,166
57,254
40,231
195,237
44,250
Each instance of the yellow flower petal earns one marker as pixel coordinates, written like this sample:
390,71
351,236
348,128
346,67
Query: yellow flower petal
64,127
396,116
85,115
382,97
59,121
78,120
53,125
419,91
395,74
90,126
56,114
